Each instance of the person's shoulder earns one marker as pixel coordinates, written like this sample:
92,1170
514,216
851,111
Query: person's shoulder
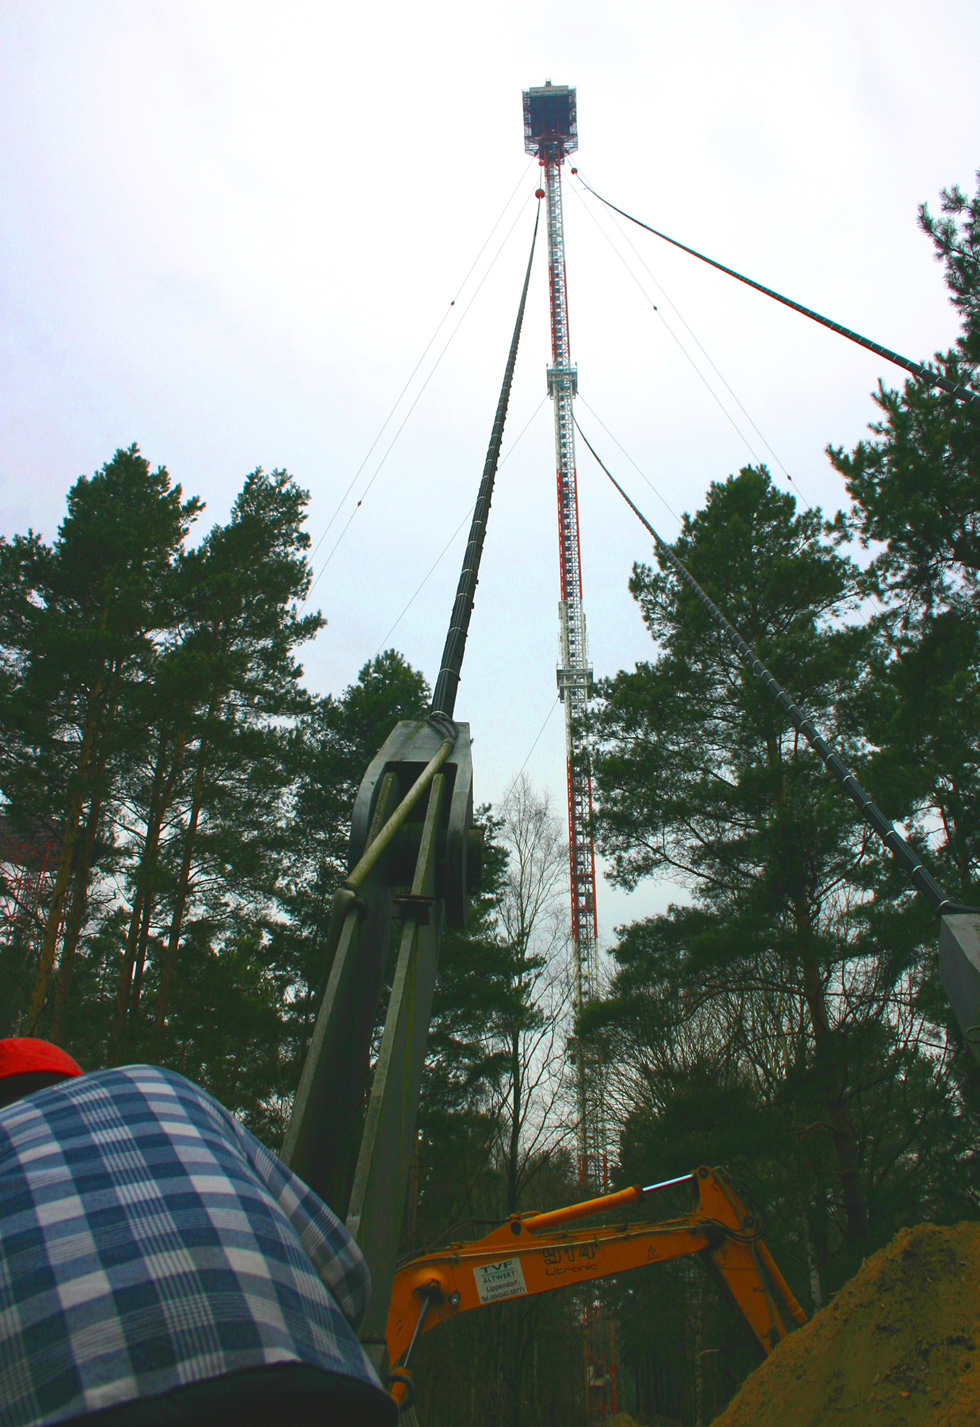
155,1079
151,1081
137,1093
162,1088
124,1101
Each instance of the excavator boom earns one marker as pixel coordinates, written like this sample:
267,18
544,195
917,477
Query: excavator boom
540,1253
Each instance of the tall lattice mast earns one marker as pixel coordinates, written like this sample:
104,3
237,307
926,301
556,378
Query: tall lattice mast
550,133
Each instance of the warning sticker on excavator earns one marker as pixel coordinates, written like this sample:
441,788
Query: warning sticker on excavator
500,1280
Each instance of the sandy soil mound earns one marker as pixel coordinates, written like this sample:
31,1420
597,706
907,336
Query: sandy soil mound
899,1345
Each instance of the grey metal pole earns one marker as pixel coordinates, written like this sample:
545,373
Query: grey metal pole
959,940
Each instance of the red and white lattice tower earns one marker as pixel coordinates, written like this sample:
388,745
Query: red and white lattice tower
551,133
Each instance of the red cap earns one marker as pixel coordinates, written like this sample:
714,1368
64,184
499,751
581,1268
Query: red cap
24,1055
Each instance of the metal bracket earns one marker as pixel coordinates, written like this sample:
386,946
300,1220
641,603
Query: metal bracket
413,909
959,968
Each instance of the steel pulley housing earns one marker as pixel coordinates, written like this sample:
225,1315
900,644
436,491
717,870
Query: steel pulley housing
405,753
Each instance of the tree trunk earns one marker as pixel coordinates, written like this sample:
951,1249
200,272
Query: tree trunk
149,903
62,876
835,1086
514,1146
699,1351
833,1080
147,857
180,900
161,796
816,1291
76,911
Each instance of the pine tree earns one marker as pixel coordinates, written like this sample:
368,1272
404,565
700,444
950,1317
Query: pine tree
916,491
779,1023
701,776
88,612
244,588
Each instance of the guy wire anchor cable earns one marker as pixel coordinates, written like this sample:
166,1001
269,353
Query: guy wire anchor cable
959,927
921,373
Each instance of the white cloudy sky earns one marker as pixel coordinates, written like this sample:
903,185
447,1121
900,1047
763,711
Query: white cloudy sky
229,230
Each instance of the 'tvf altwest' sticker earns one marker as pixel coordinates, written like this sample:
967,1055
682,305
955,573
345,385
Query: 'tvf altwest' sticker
500,1280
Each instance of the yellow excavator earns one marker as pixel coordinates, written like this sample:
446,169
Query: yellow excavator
539,1253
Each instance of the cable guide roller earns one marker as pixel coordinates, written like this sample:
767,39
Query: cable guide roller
412,872
404,756
410,864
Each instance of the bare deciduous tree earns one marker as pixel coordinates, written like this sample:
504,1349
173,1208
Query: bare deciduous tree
531,1026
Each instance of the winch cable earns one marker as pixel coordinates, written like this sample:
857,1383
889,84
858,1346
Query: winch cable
444,695
411,376
918,874
921,373
676,339
637,468
692,334
538,737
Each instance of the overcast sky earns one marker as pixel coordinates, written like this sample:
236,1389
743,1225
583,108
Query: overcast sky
229,231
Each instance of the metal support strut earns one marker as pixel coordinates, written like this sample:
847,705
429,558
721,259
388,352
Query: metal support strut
959,934
923,374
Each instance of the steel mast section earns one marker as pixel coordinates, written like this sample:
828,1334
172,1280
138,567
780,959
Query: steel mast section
550,133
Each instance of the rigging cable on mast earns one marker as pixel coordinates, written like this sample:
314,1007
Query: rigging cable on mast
538,738
411,377
408,414
418,397
921,373
639,470
710,389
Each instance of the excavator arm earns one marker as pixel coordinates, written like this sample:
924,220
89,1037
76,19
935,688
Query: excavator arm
539,1253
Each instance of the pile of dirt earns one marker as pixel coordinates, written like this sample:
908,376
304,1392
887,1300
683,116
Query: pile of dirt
623,1419
899,1345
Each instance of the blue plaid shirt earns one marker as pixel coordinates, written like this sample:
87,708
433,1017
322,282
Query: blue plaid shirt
147,1240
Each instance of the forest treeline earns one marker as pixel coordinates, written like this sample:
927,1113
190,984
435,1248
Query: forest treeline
174,799
175,806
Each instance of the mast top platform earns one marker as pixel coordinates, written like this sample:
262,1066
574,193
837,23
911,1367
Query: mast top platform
550,121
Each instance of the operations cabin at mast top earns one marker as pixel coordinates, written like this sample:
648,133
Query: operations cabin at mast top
550,121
